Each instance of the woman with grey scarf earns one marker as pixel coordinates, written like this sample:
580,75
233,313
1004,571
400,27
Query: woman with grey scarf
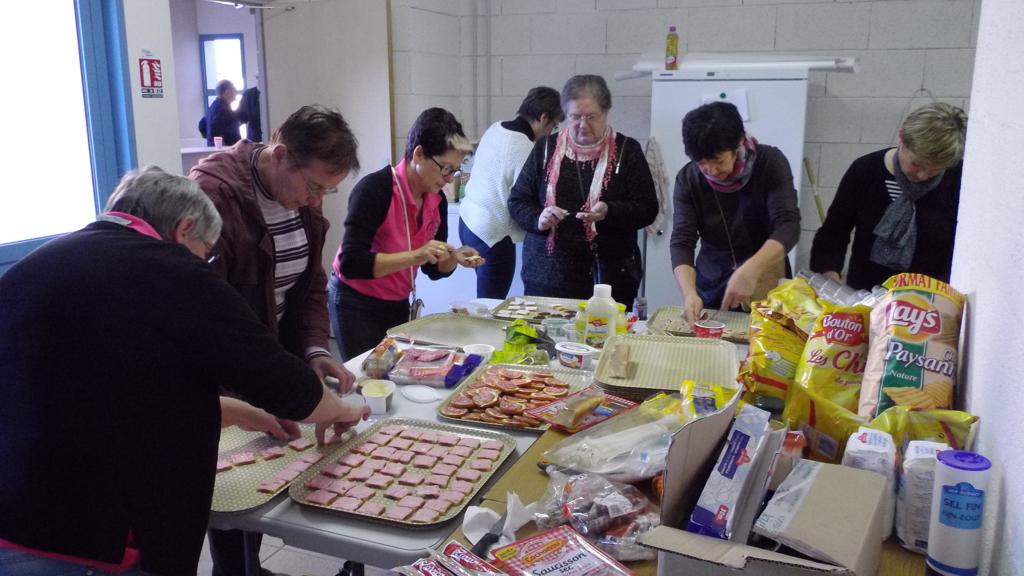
900,203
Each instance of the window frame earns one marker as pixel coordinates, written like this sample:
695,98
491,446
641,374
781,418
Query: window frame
108,114
203,38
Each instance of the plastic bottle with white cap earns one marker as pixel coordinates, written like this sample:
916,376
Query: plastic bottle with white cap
602,313
958,506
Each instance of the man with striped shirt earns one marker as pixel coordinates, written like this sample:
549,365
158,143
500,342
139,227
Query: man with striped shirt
269,197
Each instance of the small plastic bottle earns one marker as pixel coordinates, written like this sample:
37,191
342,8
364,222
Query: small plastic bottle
621,325
672,49
601,316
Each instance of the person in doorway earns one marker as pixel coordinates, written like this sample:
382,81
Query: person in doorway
484,220
397,223
581,197
270,249
221,120
109,454
736,197
900,204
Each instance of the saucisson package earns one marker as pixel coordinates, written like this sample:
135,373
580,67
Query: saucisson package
559,551
832,363
912,361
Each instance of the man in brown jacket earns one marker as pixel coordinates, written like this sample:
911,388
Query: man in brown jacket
270,247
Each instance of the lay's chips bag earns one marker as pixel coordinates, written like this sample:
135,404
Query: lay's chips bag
832,363
912,361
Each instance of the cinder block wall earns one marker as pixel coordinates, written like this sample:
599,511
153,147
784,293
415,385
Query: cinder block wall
479,57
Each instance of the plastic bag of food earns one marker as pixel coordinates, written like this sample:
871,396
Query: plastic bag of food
630,447
557,551
833,360
826,424
951,427
915,332
428,366
772,358
795,303
382,358
610,514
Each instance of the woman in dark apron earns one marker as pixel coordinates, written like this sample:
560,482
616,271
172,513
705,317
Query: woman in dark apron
736,197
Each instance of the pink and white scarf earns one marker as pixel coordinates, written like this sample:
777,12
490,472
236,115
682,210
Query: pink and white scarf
603,154
741,170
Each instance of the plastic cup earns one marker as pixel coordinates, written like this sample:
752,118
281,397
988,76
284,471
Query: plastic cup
555,327
377,394
484,351
708,328
218,142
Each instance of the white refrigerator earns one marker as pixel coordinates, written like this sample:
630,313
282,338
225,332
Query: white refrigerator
771,98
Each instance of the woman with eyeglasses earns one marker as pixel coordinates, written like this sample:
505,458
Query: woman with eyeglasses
736,197
397,223
581,197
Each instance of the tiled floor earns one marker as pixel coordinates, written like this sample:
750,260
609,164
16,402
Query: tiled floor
277,557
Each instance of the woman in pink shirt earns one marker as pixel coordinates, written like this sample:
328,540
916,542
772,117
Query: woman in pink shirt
397,223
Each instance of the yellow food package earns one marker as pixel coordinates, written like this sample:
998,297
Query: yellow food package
772,358
951,427
826,424
700,400
912,360
797,303
833,360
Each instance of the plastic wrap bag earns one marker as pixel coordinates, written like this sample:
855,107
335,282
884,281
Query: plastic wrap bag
610,514
631,446
428,366
770,366
796,304
382,358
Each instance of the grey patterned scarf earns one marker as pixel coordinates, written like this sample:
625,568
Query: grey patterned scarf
896,232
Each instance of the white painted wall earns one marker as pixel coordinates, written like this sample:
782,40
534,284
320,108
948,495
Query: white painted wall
987,267
335,53
508,46
191,104
148,27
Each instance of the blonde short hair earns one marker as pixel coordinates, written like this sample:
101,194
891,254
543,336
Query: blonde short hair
935,133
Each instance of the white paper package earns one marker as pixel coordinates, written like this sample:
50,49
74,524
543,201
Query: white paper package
717,507
874,451
914,498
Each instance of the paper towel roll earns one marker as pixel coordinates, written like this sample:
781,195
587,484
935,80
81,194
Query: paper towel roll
958,505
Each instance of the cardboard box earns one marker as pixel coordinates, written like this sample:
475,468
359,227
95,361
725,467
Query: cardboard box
854,540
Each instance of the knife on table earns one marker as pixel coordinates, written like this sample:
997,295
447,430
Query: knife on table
483,546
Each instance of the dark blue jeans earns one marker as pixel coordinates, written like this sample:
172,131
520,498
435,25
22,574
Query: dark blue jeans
494,278
359,321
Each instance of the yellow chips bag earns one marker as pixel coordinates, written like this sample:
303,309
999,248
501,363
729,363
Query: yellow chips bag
796,304
826,425
951,427
912,361
772,358
832,363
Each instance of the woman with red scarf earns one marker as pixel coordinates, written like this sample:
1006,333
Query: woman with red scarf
581,197
736,196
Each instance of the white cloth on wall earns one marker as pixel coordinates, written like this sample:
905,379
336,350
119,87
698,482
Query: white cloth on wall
661,183
499,158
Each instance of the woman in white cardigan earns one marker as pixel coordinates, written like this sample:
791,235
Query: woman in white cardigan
484,221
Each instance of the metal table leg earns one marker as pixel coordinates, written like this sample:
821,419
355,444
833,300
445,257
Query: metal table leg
251,542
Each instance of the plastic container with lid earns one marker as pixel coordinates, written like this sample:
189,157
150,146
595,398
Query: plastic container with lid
602,313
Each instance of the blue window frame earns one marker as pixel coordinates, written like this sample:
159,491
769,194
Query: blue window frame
231,67
105,88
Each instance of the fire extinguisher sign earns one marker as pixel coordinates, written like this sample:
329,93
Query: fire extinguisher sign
151,78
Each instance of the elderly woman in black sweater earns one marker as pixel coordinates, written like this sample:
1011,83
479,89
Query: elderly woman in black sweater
581,197
736,196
